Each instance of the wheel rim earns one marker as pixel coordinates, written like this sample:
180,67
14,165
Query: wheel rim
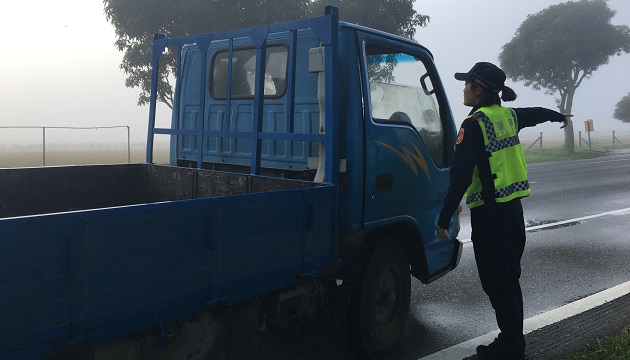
387,297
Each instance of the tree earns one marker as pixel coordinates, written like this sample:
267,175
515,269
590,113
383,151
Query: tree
391,16
622,110
560,46
136,21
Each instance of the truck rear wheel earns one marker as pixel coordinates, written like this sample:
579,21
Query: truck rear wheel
383,299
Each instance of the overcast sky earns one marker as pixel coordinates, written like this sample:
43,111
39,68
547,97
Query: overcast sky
59,66
457,39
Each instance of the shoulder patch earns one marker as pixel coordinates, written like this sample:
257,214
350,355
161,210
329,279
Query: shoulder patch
475,116
460,136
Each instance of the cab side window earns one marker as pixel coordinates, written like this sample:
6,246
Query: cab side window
401,92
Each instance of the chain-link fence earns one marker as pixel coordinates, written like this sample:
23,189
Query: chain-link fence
64,145
593,140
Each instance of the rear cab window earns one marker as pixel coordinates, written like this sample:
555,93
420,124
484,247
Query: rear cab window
244,73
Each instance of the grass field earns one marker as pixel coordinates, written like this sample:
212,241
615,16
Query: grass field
533,156
558,154
34,158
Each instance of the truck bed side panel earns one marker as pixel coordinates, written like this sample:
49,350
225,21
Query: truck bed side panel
102,273
35,284
288,234
142,259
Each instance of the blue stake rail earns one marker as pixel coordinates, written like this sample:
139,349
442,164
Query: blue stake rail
326,29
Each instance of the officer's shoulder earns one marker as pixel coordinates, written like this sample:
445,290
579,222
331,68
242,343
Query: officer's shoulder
471,125
472,120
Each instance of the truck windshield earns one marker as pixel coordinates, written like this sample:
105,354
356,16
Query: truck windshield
401,93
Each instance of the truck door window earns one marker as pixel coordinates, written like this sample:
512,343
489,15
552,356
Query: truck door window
401,92
244,73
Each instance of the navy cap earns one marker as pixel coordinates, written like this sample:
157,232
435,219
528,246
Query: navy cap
485,74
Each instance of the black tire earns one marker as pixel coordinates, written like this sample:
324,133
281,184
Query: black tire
382,300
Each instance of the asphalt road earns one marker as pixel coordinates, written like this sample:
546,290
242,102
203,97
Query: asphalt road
560,265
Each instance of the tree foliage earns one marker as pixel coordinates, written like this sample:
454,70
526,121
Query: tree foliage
561,46
391,16
622,110
136,21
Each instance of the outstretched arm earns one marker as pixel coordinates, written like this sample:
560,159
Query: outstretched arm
528,117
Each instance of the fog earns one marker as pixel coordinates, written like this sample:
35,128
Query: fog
60,67
460,34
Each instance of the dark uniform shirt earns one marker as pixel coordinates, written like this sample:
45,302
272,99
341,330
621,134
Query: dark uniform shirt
471,150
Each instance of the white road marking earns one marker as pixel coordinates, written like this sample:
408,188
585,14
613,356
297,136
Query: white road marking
590,162
558,223
614,212
468,348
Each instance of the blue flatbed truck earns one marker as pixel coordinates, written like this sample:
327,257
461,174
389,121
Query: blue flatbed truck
316,167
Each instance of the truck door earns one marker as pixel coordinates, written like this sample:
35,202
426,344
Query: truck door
409,136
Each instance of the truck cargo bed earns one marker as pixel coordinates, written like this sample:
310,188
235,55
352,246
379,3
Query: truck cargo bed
95,252
42,190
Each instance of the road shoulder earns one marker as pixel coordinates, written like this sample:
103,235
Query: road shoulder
564,331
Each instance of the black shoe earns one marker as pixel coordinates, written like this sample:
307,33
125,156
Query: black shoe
498,351
490,351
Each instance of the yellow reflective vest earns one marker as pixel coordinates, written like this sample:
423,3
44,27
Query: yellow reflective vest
507,163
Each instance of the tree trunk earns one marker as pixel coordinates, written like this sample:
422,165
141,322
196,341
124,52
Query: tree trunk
569,139
569,135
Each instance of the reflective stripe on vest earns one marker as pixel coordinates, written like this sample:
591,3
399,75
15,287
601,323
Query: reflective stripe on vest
501,193
503,144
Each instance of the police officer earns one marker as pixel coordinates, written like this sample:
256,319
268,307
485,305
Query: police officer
489,170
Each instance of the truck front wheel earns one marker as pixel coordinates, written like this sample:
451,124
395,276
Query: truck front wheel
383,299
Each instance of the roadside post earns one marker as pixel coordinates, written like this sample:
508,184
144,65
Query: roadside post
588,127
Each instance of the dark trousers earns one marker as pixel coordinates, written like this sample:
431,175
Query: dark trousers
498,237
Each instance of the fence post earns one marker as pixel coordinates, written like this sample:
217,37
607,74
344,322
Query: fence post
44,145
128,145
534,143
